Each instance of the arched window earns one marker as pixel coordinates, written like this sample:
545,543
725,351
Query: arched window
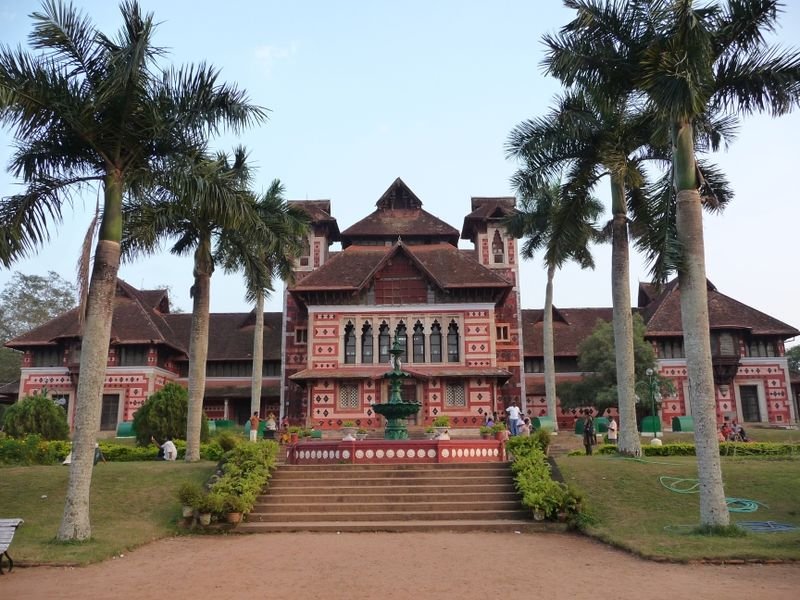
402,340
498,248
452,342
305,252
366,343
349,344
418,342
436,342
384,343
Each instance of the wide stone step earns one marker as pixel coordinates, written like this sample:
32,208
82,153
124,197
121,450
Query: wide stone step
372,507
489,525
386,515
364,496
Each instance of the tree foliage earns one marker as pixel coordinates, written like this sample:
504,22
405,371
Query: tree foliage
36,414
596,357
26,302
163,415
793,356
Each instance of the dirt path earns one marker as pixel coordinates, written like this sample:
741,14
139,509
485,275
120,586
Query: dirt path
381,565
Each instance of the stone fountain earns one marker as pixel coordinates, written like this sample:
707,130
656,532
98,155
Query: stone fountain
395,411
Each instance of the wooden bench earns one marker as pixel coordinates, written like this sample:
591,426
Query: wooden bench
8,528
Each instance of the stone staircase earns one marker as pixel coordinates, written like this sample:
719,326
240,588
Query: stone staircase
425,497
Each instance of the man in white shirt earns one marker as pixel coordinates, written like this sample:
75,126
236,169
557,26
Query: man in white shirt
170,451
513,417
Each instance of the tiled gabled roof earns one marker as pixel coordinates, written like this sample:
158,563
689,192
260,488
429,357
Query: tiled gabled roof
486,209
570,327
663,315
230,335
445,265
399,214
136,320
319,211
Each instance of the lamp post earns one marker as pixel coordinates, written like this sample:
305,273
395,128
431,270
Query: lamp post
652,386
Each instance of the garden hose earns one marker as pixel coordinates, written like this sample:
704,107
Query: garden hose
766,526
691,486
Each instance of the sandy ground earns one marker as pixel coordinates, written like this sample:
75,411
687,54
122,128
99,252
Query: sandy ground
381,565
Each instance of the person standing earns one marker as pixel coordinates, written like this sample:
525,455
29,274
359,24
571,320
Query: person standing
589,438
612,430
254,421
513,417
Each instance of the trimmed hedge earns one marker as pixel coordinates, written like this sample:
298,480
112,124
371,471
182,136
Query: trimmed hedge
33,450
725,449
243,476
546,498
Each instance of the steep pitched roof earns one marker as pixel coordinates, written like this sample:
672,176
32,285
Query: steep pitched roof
570,327
399,213
319,211
446,266
663,315
136,319
231,334
484,210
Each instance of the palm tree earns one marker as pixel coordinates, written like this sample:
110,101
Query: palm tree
588,138
686,63
193,204
563,227
93,110
283,230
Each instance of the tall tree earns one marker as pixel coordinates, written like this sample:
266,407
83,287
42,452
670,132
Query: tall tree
283,230
588,137
88,109
688,63
197,200
561,227
26,302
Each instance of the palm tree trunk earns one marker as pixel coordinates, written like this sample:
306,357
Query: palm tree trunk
549,349
629,442
696,333
198,346
258,355
75,524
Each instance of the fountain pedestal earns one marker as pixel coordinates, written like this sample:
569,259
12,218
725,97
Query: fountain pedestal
395,410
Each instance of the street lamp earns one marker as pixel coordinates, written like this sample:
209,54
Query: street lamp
652,385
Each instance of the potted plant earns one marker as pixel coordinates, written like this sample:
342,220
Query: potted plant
294,433
189,494
486,432
234,506
349,431
441,424
430,433
361,434
207,505
500,431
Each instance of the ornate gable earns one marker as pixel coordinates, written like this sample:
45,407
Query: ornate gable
398,197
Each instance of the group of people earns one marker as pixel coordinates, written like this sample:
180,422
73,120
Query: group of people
732,432
515,423
270,426
590,433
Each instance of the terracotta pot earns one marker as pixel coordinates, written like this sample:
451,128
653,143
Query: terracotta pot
233,517
293,437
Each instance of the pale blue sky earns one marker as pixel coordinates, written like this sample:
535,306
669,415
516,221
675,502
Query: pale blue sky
364,92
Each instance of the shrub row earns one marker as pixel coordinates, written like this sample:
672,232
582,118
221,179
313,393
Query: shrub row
244,474
33,450
725,449
548,499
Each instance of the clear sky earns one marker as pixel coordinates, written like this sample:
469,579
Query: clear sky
363,92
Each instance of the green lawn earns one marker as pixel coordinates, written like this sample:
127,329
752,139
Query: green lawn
634,511
132,503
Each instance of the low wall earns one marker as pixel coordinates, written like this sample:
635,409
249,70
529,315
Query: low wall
395,452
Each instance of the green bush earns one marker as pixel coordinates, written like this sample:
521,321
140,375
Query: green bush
725,449
547,498
227,440
245,471
33,450
163,416
36,414
520,445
